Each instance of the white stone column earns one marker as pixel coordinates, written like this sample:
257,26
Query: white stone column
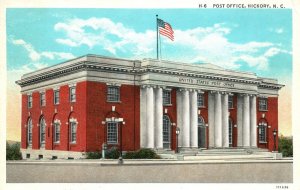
253,122
158,118
225,127
193,119
211,119
150,118
246,121
143,122
179,115
240,120
218,120
185,119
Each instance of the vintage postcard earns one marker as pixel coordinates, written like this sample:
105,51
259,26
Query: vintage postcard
190,95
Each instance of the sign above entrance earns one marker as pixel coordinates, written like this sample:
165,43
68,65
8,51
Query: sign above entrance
206,82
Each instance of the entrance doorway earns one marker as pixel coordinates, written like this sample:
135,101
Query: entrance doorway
201,133
166,132
230,131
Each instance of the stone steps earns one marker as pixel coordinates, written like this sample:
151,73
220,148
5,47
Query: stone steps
227,157
219,154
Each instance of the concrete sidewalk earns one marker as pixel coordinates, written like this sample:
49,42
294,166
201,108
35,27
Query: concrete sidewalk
147,171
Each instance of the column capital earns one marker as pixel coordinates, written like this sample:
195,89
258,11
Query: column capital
261,96
253,95
243,94
159,86
183,89
225,93
148,86
200,91
214,92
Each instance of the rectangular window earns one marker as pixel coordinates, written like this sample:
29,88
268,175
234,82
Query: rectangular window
56,97
42,132
112,133
200,100
29,137
72,94
73,126
29,132
166,97
262,134
263,104
113,94
29,101
42,99
57,132
230,101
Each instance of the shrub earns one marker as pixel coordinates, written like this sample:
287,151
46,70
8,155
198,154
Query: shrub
143,153
93,155
285,146
112,153
130,155
13,151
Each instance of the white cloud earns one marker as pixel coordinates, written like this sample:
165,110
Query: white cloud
276,30
67,42
33,55
200,44
36,56
38,60
279,30
103,32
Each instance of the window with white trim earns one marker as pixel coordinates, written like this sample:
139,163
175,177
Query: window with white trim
42,99
230,101
56,132
73,132
72,92
29,101
201,122
230,131
56,97
200,99
29,132
166,131
263,104
262,132
42,132
113,93
112,132
166,97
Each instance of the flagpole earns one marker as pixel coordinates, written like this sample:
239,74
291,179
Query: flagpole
157,37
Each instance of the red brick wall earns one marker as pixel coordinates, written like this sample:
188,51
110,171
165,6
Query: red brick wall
63,114
24,119
271,117
91,108
98,109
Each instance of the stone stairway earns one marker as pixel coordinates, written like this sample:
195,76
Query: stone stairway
219,154
231,153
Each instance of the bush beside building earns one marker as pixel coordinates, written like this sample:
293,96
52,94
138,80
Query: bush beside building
285,146
114,153
13,151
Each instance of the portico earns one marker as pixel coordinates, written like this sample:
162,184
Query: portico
218,84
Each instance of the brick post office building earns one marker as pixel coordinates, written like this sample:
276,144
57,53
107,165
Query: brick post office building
74,107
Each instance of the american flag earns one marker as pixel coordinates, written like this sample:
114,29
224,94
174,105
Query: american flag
165,29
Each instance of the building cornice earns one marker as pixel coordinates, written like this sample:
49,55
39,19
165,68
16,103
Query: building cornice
134,67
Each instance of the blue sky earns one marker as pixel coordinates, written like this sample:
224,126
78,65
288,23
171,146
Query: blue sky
247,40
255,40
